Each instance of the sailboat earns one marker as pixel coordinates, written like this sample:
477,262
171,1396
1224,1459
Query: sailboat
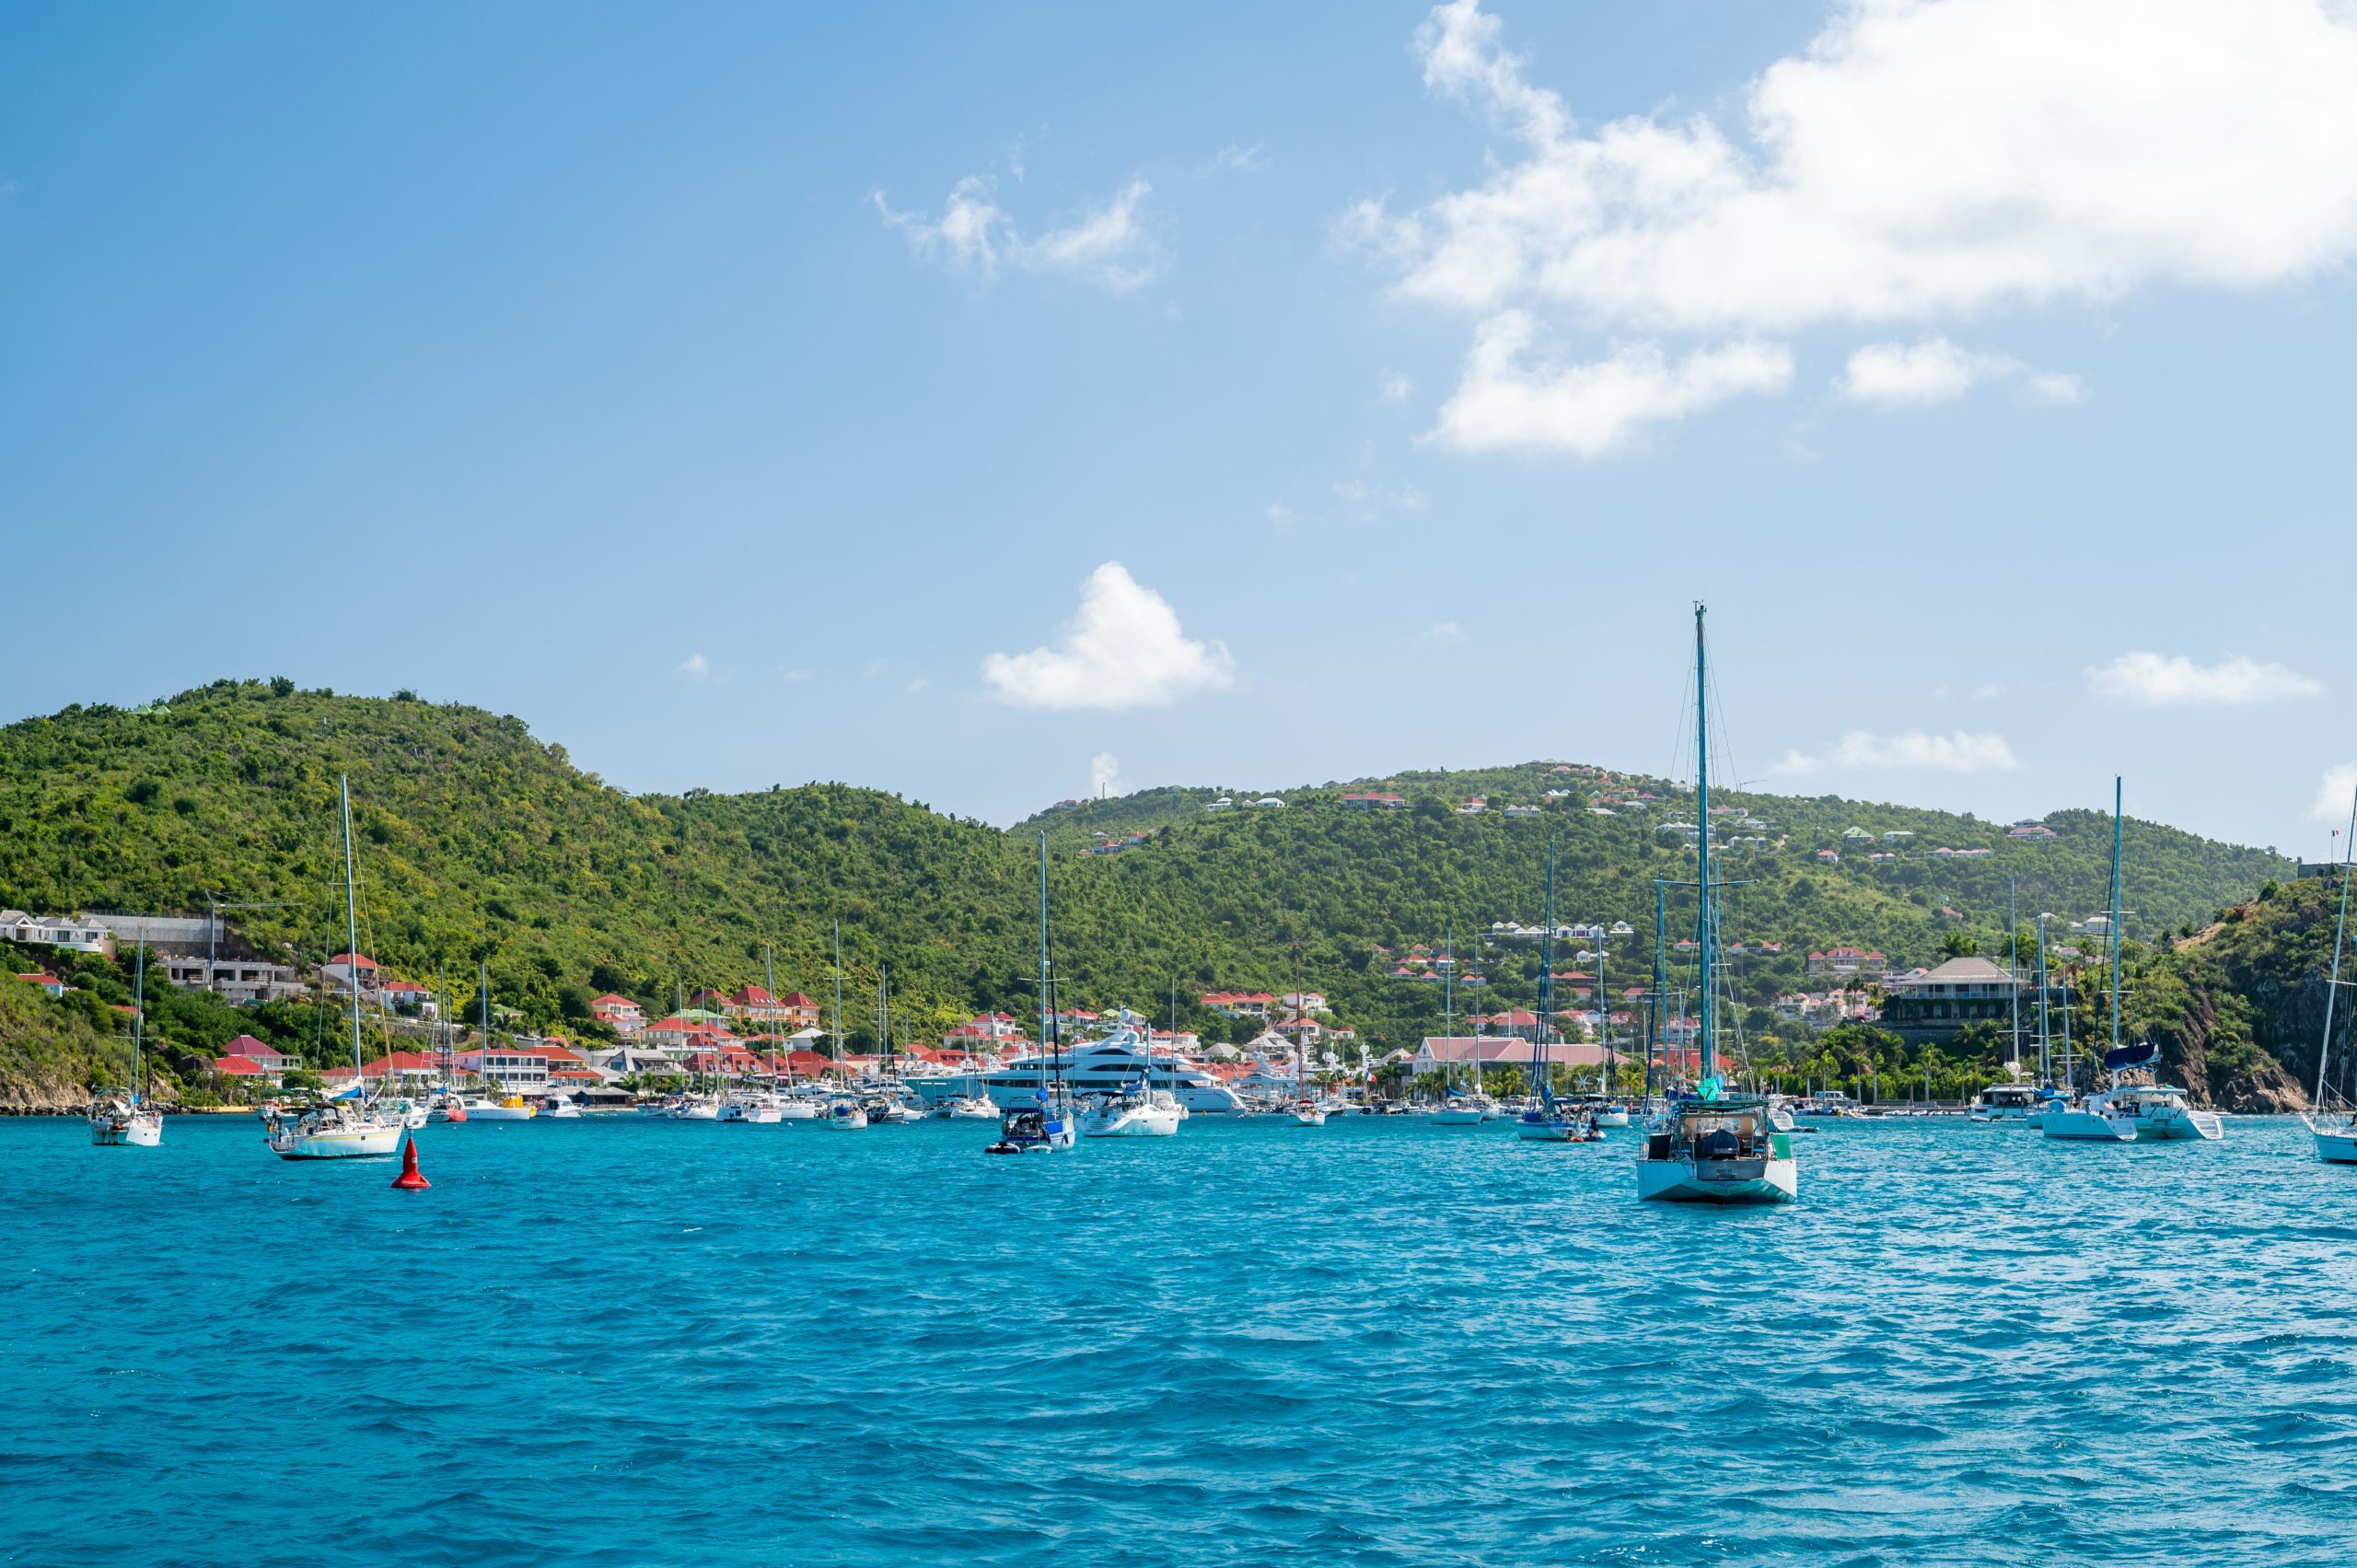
1545,1122
843,1113
2137,1106
494,1106
1045,1124
2333,1122
1455,1109
354,1125
1711,1146
1308,1109
126,1118
1611,1110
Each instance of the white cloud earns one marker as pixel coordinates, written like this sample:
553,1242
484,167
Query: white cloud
917,684
1392,386
2334,795
1241,160
1282,515
1960,752
1934,370
1444,631
1123,650
2154,681
695,667
1918,161
1109,245
1367,500
1103,775
1921,157
1507,401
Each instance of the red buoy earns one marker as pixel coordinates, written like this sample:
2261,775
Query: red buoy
411,1179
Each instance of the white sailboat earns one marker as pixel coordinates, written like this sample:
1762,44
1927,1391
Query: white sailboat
493,1106
1713,1147
357,1126
1455,1109
1545,1121
2333,1120
126,1118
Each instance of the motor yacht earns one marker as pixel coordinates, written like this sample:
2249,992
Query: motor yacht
1108,1064
2020,1104
564,1108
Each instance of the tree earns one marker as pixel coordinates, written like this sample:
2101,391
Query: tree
1959,944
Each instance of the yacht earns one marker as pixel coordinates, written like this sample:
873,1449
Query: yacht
1611,1113
1999,1103
964,1107
846,1115
752,1107
1463,1110
1308,1113
1037,1103
800,1105
696,1108
1714,1147
500,1108
1110,1064
564,1108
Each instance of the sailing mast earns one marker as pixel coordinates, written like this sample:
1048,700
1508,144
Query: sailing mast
2114,932
1661,978
2013,967
1448,1003
139,1015
1540,1059
838,1040
352,936
1046,1003
2332,992
1705,913
2045,1063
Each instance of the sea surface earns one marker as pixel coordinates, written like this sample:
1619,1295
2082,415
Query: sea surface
621,1342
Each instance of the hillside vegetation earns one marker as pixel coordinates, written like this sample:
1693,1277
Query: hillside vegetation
478,843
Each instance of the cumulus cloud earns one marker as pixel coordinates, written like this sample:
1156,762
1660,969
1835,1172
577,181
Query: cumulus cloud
1921,157
1392,386
1508,397
1109,245
2334,795
1124,650
695,667
1282,515
2155,681
1920,160
1367,500
1960,752
1444,631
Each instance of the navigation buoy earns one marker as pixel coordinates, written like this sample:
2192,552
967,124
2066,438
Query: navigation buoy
411,1179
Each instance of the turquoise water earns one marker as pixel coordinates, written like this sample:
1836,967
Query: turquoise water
618,1341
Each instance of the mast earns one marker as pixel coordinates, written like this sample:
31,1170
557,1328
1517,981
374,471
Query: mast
2013,967
838,1041
1540,1060
769,968
2114,932
483,989
2324,1050
1706,914
1661,978
1047,1005
1604,1009
2045,1064
1300,1049
1447,1004
352,933
140,1012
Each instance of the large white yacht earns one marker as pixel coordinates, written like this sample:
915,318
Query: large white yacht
1109,1066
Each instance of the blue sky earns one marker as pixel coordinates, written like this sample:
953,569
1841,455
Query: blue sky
958,400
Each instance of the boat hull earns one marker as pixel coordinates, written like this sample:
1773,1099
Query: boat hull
2181,1127
1134,1121
1455,1118
2336,1145
1754,1181
339,1143
1612,1118
2088,1127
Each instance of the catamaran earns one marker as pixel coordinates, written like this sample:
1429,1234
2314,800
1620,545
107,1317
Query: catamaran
126,1118
2333,1121
354,1125
1711,1146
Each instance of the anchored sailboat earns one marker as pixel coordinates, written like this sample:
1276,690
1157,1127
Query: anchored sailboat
126,1118
1545,1121
2333,1124
1047,1123
357,1126
1711,1146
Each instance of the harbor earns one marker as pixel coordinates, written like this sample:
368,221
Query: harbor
1378,1341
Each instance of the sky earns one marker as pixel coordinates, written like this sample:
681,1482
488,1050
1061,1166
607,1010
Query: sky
998,404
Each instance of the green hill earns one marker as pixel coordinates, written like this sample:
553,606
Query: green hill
480,843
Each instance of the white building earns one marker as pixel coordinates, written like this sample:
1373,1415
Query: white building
82,932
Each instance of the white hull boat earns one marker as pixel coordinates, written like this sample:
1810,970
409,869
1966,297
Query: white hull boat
1612,1116
1719,1182
1309,1113
966,1107
335,1132
1132,1118
1457,1116
120,1124
1718,1153
511,1109
847,1116
758,1110
562,1109
800,1110
2087,1124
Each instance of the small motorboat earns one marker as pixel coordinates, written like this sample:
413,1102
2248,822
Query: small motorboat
563,1108
847,1116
